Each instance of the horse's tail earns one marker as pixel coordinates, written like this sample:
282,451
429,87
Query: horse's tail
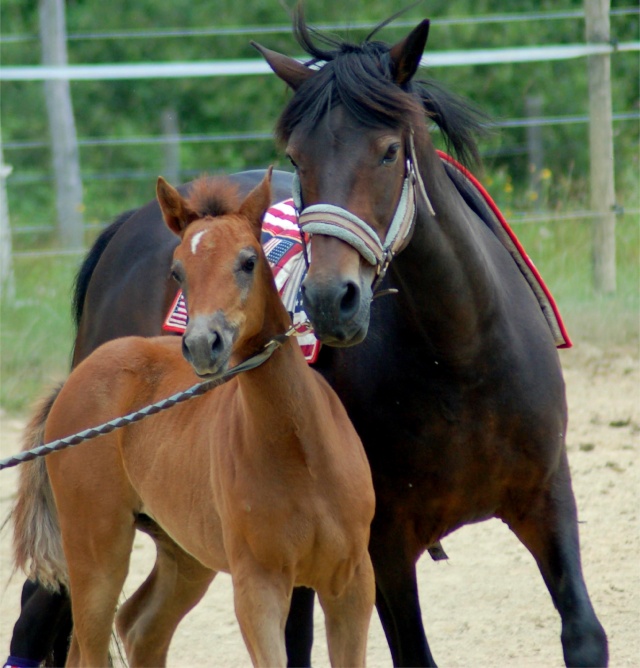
37,543
89,263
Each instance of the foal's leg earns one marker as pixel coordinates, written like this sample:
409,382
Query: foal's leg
549,529
147,621
347,617
262,599
98,562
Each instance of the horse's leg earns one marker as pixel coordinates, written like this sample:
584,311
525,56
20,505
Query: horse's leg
298,632
262,599
147,621
397,599
347,617
548,527
43,629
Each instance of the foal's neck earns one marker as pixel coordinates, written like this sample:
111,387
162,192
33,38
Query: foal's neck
280,408
279,386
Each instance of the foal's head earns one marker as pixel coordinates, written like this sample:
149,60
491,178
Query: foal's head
222,270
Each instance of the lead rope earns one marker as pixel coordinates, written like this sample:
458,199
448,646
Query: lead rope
117,423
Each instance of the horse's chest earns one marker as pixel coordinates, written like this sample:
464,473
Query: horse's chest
431,433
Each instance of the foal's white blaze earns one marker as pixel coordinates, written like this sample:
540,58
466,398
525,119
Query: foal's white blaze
196,240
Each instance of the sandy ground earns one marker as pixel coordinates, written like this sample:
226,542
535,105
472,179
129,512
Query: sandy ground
487,605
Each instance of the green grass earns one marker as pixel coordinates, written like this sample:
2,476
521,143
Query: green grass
562,252
36,333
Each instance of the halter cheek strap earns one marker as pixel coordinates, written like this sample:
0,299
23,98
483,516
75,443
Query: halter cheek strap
334,221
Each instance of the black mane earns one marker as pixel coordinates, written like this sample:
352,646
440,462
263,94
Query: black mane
360,77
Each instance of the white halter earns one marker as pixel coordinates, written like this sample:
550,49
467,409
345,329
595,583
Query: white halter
334,221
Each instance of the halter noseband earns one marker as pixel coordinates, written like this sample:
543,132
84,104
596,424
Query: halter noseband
334,221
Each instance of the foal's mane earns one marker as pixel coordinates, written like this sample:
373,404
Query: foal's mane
361,78
213,196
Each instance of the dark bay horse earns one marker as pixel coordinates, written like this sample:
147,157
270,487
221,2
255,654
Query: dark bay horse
455,386
263,477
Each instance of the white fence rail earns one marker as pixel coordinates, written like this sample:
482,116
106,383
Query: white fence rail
219,68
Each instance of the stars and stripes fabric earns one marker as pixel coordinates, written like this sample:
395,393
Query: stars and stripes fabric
283,248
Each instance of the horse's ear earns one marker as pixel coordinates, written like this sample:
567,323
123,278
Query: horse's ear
257,202
292,72
406,55
176,212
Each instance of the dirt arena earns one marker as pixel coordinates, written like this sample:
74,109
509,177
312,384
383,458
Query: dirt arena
487,605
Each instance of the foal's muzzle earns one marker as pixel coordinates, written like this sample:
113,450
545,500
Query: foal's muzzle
207,344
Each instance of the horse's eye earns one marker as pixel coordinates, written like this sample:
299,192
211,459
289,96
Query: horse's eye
391,154
292,161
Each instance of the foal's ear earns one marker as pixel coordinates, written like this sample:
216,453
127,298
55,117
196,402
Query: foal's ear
406,54
257,202
293,73
175,210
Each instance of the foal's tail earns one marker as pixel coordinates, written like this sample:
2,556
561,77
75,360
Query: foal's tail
37,543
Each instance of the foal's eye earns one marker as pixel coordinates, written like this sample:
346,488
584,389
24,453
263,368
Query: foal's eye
391,154
248,265
176,275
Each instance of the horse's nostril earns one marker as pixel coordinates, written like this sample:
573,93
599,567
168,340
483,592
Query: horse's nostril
350,300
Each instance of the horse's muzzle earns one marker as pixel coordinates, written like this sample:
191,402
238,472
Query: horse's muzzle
207,344
338,311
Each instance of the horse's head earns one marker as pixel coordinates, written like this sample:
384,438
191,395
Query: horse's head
220,266
348,132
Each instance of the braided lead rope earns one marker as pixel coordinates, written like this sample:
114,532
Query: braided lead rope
162,405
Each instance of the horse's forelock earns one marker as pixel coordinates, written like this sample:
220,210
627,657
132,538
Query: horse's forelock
360,76
214,197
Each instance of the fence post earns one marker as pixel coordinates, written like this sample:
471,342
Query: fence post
64,143
601,149
535,147
171,133
7,283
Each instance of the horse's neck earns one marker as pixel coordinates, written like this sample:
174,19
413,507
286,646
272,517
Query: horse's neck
444,272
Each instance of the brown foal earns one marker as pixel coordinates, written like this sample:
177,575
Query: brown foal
264,477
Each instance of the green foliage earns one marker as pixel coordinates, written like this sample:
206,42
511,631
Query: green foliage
36,331
241,104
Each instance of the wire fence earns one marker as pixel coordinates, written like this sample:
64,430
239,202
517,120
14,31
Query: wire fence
230,68
238,31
